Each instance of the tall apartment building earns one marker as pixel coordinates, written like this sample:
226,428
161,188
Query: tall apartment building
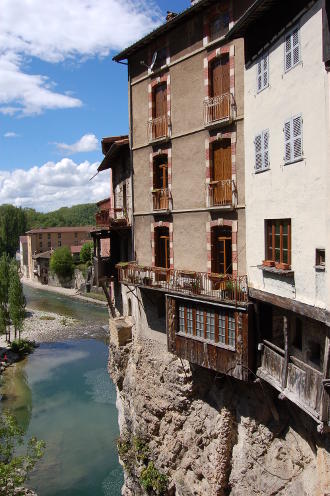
186,94
287,195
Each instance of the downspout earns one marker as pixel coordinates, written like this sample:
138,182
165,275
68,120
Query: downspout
131,161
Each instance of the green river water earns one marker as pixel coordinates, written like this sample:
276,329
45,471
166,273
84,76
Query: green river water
63,394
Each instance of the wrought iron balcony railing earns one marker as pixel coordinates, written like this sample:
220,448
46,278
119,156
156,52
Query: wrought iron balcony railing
161,199
159,128
222,193
218,109
227,288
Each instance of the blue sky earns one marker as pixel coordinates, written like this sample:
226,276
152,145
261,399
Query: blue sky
59,84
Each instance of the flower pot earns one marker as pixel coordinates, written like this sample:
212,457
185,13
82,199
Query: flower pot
282,266
268,263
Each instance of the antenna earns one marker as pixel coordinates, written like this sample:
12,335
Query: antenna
153,61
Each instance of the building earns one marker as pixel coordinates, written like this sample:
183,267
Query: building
287,180
23,255
186,94
41,242
112,234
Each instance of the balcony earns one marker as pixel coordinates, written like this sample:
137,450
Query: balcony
103,269
226,288
102,218
218,110
159,128
161,199
222,193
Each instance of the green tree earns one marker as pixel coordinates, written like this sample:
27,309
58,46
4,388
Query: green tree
12,224
61,262
16,299
4,290
86,252
15,468
77,215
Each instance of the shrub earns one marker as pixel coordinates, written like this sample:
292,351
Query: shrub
153,481
61,262
86,253
46,317
22,346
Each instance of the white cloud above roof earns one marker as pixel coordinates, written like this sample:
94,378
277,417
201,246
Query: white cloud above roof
57,31
86,143
54,185
10,134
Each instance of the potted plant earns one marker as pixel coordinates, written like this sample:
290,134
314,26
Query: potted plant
268,263
282,266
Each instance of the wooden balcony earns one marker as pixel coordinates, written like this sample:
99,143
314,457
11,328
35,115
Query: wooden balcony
103,269
159,128
102,218
222,193
226,288
161,199
296,380
218,110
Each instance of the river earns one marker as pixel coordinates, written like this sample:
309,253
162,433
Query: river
63,394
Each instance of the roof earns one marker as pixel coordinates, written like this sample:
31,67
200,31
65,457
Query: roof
103,201
167,26
44,254
23,239
76,248
109,140
113,153
60,229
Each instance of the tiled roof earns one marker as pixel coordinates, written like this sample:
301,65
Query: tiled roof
60,229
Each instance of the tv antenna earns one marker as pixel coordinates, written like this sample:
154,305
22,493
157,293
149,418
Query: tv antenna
153,61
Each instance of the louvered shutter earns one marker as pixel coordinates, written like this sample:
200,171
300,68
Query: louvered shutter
258,152
265,149
262,73
259,76
265,71
297,136
287,141
288,53
295,47
292,49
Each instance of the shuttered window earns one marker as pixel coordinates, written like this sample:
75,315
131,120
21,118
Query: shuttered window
293,139
203,322
261,145
292,50
262,73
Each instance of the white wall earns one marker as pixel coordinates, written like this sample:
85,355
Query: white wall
297,191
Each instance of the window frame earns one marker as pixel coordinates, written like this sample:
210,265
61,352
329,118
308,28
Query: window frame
289,34
264,56
292,140
270,234
263,151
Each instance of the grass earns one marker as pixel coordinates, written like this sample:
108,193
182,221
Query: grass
47,317
96,296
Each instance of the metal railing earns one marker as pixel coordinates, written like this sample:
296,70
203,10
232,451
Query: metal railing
158,127
222,287
161,199
221,193
218,108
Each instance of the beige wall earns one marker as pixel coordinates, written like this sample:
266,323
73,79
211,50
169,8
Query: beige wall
142,234
189,241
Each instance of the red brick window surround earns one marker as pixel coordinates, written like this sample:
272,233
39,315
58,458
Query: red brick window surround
164,152
161,82
210,59
222,223
154,226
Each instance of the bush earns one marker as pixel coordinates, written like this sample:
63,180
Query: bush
153,481
86,253
61,262
22,346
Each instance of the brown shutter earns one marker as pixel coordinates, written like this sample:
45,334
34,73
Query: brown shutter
220,76
222,171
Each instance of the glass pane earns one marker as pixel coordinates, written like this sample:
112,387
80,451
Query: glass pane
190,321
210,326
231,331
222,328
200,323
181,319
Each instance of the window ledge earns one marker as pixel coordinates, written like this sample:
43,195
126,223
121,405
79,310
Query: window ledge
210,43
319,268
262,170
154,72
274,270
207,341
300,159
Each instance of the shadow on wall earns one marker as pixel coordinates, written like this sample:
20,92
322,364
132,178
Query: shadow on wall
155,310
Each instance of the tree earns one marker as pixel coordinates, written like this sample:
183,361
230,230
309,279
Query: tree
14,468
61,262
16,299
12,224
4,289
86,252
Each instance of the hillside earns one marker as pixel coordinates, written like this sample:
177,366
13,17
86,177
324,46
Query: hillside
77,215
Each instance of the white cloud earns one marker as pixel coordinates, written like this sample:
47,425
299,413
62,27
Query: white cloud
10,134
54,185
56,31
87,143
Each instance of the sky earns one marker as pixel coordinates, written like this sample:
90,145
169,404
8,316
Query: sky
60,93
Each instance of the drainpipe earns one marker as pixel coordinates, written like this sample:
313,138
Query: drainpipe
131,161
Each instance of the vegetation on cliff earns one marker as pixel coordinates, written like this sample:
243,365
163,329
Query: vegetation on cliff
77,215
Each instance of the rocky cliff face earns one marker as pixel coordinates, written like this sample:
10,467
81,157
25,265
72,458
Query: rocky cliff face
206,434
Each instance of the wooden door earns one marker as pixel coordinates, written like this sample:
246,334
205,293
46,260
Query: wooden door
162,248
160,110
220,80
221,250
160,183
221,192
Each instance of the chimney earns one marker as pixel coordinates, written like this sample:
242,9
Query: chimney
170,15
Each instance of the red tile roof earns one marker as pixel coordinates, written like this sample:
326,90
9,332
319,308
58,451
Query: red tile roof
60,229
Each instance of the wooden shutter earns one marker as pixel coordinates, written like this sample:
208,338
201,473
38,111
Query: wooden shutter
222,172
160,101
220,76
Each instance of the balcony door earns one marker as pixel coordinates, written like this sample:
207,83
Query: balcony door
221,183
160,111
221,250
160,183
220,85
162,246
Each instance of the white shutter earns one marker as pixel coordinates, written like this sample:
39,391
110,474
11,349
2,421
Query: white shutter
259,76
295,47
288,53
292,49
297,136
287,141
261,143
265,71
258,152
265,147
262,73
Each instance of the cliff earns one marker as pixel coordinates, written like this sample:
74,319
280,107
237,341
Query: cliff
193,432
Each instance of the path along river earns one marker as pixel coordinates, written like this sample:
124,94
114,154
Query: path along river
63,394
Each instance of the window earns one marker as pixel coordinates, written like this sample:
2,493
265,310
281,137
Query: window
76,235
59,243
49,244
297,342
293,139
40,244
314,353
261,145
320,257
162,247
40,236
278,242
48,236
219,26
59,235
262,73
203,322
292,50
